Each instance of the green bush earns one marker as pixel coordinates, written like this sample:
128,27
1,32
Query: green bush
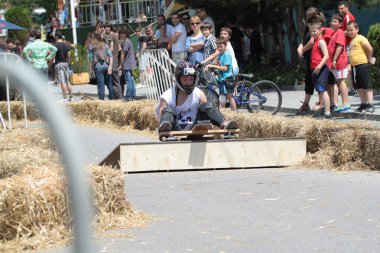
20,16
79,63
374,40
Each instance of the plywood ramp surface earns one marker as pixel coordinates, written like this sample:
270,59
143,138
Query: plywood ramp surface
240,153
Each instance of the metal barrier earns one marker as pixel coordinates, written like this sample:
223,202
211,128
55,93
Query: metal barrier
159,72
18,63
67,139
117,12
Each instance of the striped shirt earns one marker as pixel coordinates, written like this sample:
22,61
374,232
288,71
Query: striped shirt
38,53
209,47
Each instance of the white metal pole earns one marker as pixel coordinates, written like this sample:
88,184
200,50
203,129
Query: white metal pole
73,22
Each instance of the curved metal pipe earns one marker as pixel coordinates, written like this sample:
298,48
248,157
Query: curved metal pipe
66,137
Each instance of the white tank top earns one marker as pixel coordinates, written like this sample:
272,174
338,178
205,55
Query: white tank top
186,112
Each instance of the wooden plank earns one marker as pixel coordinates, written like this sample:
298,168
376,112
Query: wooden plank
237,153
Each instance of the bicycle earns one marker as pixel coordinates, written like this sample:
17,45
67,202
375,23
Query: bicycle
262,95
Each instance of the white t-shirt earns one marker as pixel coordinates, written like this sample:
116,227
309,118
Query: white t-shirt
186,112
180,44
235,66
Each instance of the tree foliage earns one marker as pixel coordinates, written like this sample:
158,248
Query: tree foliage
374,40
20,16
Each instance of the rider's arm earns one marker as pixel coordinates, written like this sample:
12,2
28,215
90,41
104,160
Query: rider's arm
202,98
162,105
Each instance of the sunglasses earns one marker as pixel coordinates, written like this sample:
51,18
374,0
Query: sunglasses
186,18
197,23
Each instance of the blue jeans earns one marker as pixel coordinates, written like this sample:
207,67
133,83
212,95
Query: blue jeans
131,86
103,79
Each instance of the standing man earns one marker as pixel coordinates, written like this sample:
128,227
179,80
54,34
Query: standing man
178,40
127,64
114,45
202,12
61,65
38,53
343,7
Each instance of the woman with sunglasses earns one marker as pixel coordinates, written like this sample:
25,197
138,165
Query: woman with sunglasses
195,42
186,22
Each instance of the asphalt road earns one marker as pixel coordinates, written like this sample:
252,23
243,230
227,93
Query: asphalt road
254,210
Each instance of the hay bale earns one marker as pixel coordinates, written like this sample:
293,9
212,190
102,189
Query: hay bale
137,114
34,203
319,134
20,151
17,110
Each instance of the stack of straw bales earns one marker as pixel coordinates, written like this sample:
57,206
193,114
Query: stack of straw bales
34,203
330,144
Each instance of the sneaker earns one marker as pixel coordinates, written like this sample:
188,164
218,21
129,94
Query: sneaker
342,108
70,99
303,109
165,126
317,107
333,107
361,108
231,124
370,108
328,116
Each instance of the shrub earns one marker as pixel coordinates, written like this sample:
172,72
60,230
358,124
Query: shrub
374,40
19,16
79,62
282,75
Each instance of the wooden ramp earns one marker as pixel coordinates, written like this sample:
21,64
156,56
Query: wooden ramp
198,155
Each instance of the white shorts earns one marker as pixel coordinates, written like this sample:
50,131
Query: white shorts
340,74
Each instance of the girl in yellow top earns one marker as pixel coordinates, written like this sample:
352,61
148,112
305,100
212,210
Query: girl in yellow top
361,60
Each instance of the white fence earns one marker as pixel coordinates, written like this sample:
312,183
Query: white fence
117,12
159,73
18,63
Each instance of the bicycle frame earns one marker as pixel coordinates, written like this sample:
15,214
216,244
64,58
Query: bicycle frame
239,99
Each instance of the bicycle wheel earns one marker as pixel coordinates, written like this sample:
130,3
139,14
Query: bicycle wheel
264,96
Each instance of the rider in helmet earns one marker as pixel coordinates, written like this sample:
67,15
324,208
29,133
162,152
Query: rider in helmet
184,104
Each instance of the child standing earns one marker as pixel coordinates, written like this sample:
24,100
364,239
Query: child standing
339,62
360,60
210,42
225,80
320,63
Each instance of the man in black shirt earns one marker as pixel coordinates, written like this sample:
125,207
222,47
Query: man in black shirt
237,41
61,66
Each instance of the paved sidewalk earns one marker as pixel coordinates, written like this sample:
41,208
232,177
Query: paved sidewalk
291,101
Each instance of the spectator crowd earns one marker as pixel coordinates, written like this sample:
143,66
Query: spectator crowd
337,58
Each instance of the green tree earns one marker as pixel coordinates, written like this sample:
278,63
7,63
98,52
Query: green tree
20,16
374,40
